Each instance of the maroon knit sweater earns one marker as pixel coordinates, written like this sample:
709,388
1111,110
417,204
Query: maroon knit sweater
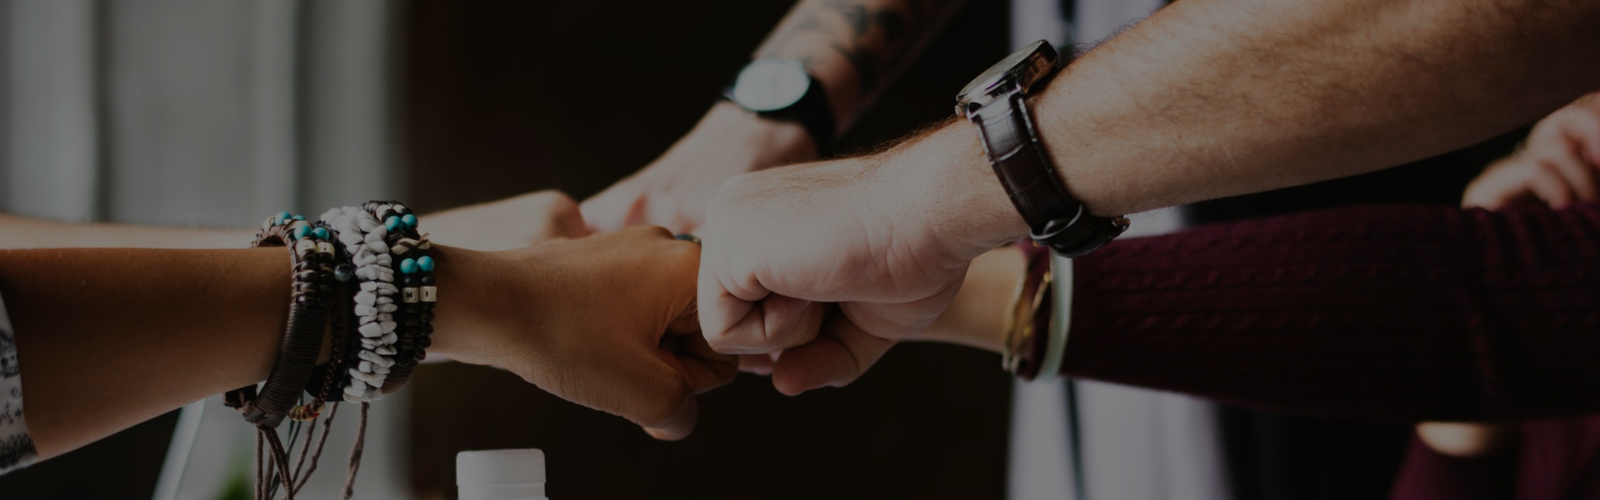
1392,312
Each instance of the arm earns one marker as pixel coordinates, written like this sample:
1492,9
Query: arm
108,338
1205,99
505,224
1391,312
855,48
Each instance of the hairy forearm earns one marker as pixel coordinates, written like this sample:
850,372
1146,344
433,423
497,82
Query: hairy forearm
1223,97
857,47
1212,98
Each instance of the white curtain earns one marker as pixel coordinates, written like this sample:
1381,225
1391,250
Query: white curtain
206,113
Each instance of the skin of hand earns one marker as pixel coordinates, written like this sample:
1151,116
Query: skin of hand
109,338
1201,100
673,190
1557,165
886,264
976,318
505,224
510,223
606,321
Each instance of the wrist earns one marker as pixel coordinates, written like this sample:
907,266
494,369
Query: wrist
966,209
764,142
464,276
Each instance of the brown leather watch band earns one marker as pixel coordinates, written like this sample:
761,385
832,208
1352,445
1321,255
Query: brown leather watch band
1055,218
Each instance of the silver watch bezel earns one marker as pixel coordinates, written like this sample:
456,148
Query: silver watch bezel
1017,72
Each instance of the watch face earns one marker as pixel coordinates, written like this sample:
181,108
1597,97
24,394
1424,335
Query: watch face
1028,64
770,85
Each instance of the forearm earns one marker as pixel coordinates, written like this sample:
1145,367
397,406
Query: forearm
1375,312
108,338
1223,97
1212,98
856,48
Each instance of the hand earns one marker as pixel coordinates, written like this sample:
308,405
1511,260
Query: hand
510,223
1558,165
606,321
672,191
886,237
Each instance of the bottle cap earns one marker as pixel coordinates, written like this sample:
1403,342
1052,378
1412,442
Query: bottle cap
500,475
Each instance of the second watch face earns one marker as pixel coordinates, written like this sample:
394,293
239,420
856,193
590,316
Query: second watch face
770,85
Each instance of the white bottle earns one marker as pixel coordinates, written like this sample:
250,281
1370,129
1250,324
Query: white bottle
500,475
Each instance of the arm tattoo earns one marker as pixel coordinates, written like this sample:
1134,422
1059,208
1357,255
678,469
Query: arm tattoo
873,36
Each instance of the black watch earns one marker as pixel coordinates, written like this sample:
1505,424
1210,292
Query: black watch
780,89
995,103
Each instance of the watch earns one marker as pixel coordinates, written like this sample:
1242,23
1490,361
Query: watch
995,102
780,89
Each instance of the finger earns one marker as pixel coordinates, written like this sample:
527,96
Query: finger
654,393
565,216
836,358
1581,128
1547,184
774,324
1499,185
1581,179
759,364
719,309
613,208
677,427
705,368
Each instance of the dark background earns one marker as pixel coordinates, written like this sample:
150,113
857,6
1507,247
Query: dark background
505,97
501,97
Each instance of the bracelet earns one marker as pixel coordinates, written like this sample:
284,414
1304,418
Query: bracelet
418,292
315,287
370,357
1060,317
313,259
1027,328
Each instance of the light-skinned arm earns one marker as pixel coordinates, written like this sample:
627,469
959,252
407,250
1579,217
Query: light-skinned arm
855,48
1207,98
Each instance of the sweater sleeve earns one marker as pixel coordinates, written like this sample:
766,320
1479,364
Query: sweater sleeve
1382,312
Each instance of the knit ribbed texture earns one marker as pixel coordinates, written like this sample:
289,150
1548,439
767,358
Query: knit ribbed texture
1384,312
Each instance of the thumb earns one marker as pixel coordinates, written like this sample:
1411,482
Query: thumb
836,358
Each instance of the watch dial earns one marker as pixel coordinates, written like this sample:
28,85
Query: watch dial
771,84
993,75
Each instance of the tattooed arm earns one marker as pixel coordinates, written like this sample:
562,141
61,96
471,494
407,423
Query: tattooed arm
854,47
857,47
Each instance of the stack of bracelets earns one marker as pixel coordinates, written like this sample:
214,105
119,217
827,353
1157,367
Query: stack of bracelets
362,270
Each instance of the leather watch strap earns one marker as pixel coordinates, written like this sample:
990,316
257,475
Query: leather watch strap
1054,216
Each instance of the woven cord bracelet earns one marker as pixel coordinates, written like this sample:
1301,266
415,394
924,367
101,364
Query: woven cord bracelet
313,259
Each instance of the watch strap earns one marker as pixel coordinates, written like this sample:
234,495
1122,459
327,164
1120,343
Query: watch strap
1054,217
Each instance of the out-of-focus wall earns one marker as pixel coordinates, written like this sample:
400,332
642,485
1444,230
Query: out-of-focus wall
203,113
